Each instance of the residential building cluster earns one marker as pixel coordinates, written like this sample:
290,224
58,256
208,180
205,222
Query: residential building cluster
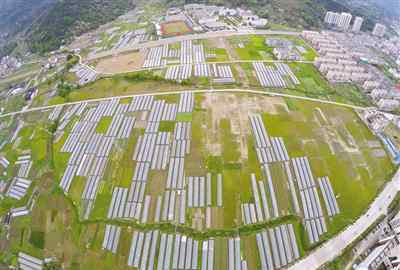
382,247
201,17
342,60
386,99
391,47
205,16
8,64
377,121
341,20
284,49
335,61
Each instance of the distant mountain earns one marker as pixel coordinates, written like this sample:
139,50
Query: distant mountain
47,24
72,17
294,13
17,15
380,9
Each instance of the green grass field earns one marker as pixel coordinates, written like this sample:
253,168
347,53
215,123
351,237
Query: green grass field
333,138
314,85
254,48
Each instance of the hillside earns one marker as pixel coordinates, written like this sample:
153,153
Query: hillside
294,13
71,17
47,24
16,15
378,8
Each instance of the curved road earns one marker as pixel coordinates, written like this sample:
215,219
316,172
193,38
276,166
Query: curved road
206,35
334,247
232,90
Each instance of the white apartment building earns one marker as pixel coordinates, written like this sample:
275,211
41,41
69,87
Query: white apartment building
341,20
378,94
388,104
379,30
369,85
331,18
357,24
344,20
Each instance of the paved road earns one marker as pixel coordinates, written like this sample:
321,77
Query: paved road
233,90
164,41
333,248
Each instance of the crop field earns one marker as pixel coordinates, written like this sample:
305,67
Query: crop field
253,47
188,170
246,48
313,84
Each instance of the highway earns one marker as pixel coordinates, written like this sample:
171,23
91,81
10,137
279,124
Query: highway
334,247
206,35
232,90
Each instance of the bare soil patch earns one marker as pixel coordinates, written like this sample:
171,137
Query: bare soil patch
238,111
121,63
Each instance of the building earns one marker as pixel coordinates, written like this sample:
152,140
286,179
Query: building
207,19
379,30
370,85
31,93
286,54
344,20
376,120
193,7
214,25
358,21
395,73
388,105
385,251
378,94
331,18
8,64
259,22
174,11
379,255
227,12
277,42
341,20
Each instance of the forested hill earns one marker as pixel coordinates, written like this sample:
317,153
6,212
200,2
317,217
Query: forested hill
72,17
294,13
47,24
16,15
